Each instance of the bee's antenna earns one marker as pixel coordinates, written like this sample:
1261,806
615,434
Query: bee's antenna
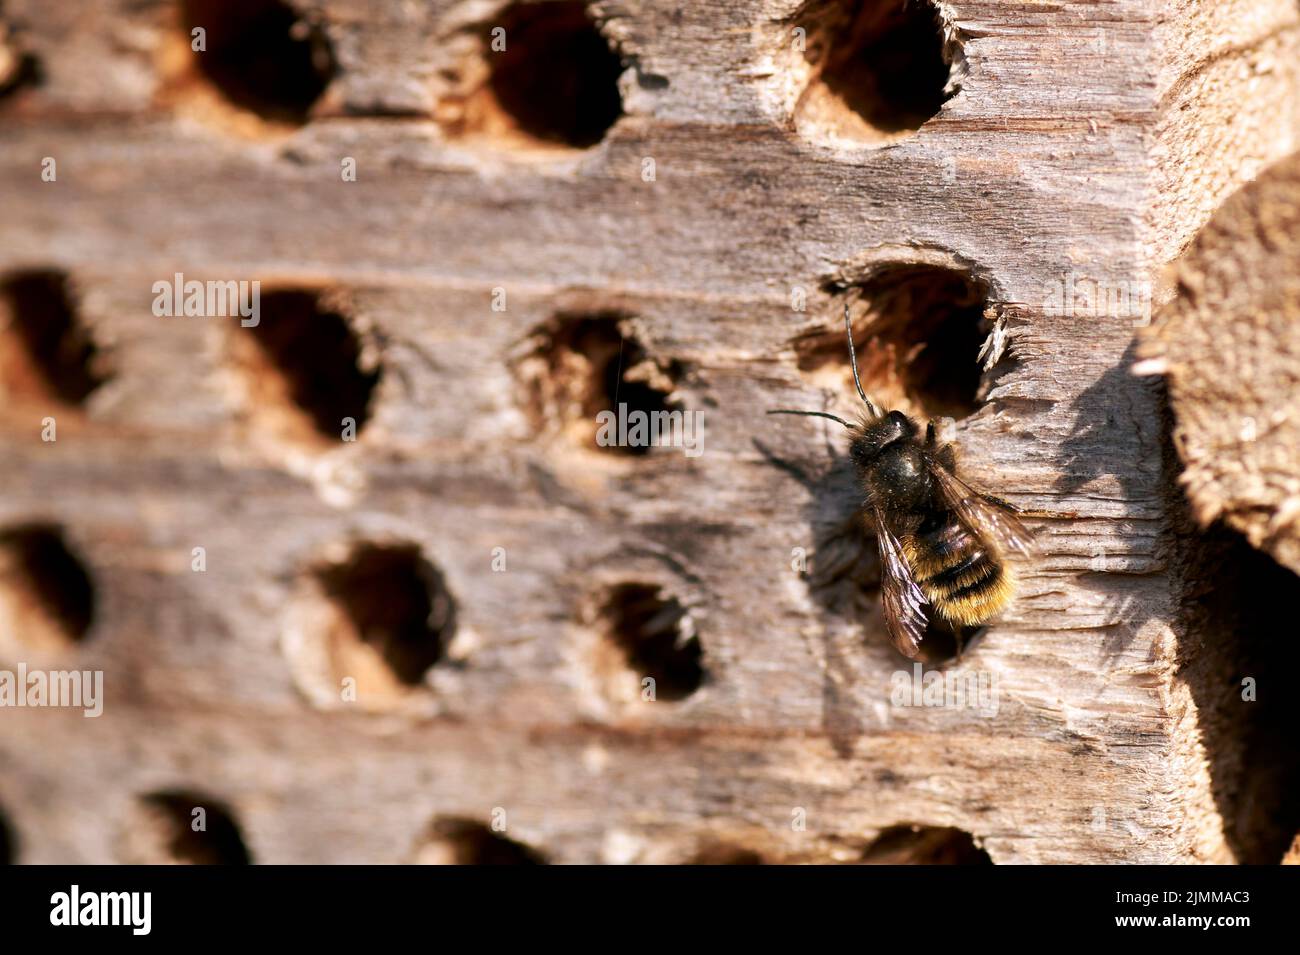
853,360
814,414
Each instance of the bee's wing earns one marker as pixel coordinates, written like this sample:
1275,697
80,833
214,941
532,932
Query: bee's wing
901,597
987,516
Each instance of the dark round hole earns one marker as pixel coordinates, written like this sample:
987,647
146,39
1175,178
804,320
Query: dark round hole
261,55
892,70
655,635
726,854
925,845
396,602
8,842
881,67
49,587
45,353
557,79
19,68
944,644
588,365
308,354
918,330
455,841
179,832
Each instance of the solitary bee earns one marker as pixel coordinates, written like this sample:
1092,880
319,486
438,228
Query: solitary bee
941,541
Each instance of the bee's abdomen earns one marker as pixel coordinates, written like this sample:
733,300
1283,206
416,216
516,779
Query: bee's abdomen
963,579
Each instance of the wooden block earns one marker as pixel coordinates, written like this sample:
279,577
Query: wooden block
482,240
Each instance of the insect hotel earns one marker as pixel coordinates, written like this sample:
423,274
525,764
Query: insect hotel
387,474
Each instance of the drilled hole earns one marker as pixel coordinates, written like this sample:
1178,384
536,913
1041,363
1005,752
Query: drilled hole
943,644
555,83
588,363
455,841
726,854
8,842
19,68
47,600
184,828
925,845
261,56
45,353
396,603
918,331
366,627
877,68
647,635
309,379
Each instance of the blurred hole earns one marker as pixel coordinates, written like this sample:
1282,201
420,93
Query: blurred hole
184,828
455,841
8,842
19,69
260,55
47,600
302,364
45,353
725,854
925,845
555,83
649,634
395,619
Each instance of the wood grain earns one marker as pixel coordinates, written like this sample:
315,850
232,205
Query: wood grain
1088,143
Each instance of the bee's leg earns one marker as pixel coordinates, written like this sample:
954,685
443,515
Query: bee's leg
929,434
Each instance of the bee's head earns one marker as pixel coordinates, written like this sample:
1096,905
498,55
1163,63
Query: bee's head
879,433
